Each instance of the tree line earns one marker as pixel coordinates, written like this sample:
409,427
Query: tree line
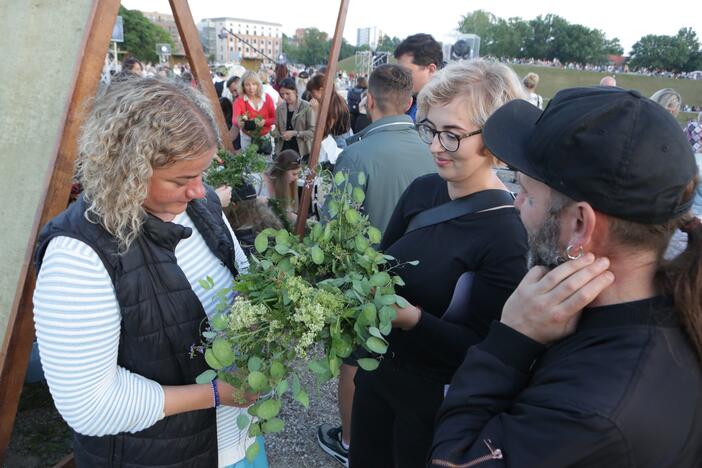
545,37
550,37
313,47
141,35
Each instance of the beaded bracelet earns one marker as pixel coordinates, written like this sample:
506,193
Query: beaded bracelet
215,392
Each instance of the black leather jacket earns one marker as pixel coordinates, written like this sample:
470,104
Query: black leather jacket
625,390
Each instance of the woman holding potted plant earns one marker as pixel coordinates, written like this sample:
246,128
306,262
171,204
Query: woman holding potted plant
254,111
479,239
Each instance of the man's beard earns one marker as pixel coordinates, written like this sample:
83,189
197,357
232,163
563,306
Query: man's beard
543,244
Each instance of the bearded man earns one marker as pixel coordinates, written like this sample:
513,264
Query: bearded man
596,359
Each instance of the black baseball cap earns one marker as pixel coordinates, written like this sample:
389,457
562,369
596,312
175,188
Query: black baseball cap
615,149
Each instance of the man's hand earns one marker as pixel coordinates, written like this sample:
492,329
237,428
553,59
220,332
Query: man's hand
546,305
288,135
407,317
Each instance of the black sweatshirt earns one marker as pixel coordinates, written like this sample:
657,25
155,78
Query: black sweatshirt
625,390
490,244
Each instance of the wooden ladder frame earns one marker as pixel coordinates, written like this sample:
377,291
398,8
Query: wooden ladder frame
16,349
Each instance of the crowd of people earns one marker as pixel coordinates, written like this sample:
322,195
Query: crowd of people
551,327
606,68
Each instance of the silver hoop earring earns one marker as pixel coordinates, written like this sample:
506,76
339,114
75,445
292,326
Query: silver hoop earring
570,255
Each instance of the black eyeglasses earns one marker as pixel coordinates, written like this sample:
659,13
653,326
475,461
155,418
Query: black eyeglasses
449,141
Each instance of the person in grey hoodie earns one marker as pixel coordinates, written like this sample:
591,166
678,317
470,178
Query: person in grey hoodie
389,151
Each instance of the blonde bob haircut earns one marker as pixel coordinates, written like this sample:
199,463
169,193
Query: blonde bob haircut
137,125
250,76
482,85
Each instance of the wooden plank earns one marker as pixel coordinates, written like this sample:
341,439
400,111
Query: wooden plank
18,341
66,462
329,87
198,64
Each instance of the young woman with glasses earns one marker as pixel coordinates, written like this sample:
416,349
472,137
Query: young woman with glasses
394,406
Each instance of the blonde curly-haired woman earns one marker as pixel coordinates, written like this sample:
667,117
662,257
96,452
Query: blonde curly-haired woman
117,304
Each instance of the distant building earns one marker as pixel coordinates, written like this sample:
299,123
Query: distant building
296,38
167,22
616,60
369,36
249,36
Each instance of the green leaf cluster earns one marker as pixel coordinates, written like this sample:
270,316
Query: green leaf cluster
234,170
331,291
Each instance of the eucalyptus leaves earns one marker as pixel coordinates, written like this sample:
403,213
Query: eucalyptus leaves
331,291
234,170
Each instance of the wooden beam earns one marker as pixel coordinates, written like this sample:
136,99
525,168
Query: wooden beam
18,340
329,87
66,462
198,64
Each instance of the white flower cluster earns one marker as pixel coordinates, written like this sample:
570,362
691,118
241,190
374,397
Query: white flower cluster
313,309
245,314
313,317
275,327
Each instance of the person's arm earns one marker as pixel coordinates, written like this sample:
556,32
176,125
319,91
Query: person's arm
184,398
77,320
238,112
502,267
485,413
308,133
485,418
224,192
268,112
279,123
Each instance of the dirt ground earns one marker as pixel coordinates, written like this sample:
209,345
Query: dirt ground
41,438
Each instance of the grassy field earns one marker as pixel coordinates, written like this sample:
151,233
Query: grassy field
554,79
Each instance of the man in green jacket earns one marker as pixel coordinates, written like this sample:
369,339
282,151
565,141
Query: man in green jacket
389,151
391,155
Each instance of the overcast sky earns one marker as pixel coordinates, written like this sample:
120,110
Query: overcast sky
626,20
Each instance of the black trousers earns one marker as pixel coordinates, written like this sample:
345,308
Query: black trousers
392,423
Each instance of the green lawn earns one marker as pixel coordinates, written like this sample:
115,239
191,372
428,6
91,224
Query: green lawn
553,79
